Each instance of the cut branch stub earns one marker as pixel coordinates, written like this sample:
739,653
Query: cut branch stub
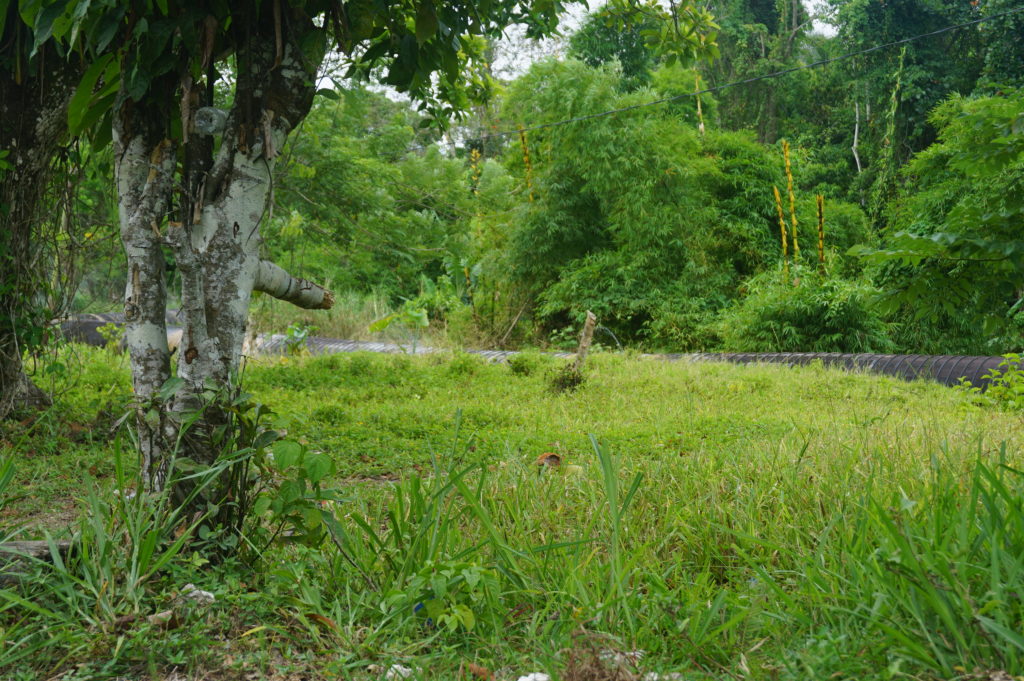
276,282
209,120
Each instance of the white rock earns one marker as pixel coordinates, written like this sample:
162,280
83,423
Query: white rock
397,671
191,593
621,658
535,676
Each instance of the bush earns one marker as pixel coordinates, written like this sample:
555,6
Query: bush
528,363
807,313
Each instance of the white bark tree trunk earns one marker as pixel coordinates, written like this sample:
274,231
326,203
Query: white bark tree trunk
215,241
144,171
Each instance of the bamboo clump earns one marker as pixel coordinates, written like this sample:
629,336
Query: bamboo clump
821,232
792,201
526,162
474,164
700,111
782,229
819,199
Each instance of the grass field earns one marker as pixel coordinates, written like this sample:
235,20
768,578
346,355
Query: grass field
728,522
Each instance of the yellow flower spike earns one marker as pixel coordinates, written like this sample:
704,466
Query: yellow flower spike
792,201
782,229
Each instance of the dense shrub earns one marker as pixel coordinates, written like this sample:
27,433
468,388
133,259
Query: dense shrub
806,313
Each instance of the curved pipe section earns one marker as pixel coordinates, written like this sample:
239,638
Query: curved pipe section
945,369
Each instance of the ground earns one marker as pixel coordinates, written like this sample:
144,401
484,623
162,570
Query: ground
749,522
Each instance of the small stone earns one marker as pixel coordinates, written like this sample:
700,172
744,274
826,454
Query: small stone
397,671
164,620
535,676
621,658
198,596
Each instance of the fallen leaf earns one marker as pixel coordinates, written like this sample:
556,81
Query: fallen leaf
124,622
478,671
253,631
165,620
548,459
326,621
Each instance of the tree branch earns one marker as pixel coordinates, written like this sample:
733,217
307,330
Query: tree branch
274,281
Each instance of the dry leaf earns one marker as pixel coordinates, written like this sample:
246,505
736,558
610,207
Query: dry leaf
165,620
326,621
478,671
548,459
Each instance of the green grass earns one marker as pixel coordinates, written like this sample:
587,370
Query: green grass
747,522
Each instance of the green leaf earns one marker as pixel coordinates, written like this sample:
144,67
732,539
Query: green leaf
328,93
79,105
318,466
171,388
467,617
261,506
418,318
383,322
265,439
426,22
44,24
107,27
286,454
311,518
290,490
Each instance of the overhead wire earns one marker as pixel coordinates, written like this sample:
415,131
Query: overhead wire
521,131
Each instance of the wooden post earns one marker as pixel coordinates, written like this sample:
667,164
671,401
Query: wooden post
585,339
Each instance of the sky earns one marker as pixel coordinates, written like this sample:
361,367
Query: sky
516,53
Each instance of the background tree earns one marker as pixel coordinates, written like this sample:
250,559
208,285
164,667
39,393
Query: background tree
36,85
640,218
600,41
952,258
758,37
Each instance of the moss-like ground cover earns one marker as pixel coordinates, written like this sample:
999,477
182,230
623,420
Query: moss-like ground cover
730,522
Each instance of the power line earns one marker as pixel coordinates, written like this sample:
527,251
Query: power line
746,81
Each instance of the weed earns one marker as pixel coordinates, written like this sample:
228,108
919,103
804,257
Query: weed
464,364
113,336
1005,385
527,363
566,379
295,338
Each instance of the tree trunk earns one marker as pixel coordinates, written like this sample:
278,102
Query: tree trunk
33,123
144,162
216,205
